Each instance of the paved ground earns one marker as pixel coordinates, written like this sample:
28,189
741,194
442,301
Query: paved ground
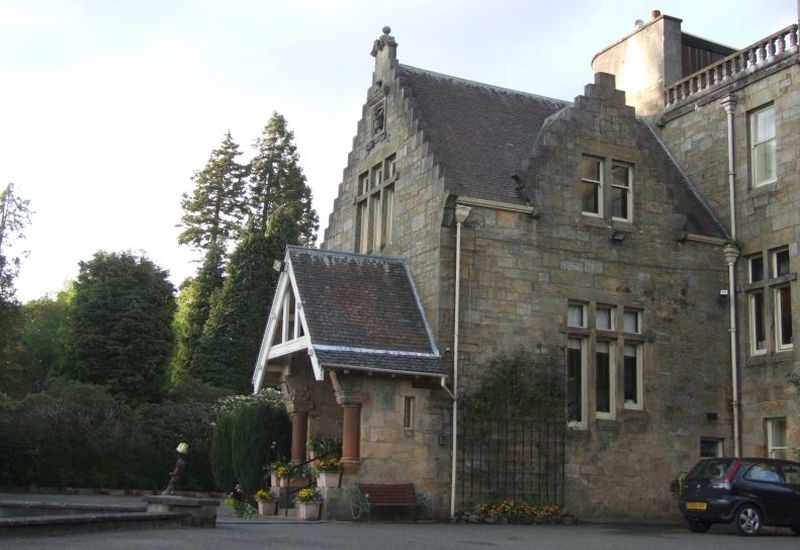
399,536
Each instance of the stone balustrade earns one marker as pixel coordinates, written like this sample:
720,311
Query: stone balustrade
762,54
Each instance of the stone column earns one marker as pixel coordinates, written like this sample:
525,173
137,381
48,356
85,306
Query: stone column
299,431
350,396
297,398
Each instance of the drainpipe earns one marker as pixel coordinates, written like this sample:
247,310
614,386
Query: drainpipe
461,215
731,254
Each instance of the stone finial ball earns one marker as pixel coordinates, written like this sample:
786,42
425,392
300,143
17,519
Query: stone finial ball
387,29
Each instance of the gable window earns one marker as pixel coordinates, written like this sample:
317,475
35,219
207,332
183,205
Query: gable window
591,185
621,188
375,207
762,145
775,432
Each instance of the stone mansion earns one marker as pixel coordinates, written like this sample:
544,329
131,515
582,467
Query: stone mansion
646,234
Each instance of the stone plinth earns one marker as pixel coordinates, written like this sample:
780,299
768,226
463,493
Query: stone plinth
199,512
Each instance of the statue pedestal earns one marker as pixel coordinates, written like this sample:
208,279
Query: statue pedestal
199,512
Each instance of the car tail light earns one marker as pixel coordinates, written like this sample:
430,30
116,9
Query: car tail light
727,483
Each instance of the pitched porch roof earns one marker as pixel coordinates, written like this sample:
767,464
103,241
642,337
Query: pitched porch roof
348,311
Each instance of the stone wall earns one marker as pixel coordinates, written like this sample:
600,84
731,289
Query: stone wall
767,217
519,273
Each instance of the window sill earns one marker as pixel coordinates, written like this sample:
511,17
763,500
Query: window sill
762,187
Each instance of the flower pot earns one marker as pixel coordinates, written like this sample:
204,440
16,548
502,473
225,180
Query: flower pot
329,479
308,510
267,507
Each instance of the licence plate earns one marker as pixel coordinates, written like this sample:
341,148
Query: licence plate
696,505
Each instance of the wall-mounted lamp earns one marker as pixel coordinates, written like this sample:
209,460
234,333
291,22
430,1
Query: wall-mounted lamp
723,295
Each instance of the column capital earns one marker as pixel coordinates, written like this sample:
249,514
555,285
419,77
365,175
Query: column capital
296,397
348,389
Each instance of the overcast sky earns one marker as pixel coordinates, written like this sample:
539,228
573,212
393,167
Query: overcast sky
108,107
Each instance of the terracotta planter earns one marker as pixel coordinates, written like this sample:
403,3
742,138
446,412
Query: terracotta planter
308,510
267,507
329,479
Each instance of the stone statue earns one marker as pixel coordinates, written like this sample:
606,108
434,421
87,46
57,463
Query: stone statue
177,472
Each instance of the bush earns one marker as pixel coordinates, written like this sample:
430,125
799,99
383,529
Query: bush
242,441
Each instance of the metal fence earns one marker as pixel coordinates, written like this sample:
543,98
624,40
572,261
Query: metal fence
510,458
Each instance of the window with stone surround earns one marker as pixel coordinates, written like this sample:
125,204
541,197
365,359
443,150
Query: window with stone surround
375,207
775,435
710,447
597,347
769,302
592,185
595,195
763,166
621,191
408,412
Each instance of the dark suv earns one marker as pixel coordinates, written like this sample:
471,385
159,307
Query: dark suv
750,492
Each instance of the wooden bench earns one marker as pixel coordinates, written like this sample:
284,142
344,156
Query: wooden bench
389,495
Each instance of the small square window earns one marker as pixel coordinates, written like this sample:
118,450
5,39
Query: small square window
631,321
710,448
604,318
780,262
576,315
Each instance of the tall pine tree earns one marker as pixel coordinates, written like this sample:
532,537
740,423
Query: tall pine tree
216,209
276,179
194,305
212,221
232,336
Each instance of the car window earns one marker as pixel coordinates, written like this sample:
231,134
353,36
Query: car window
764,471
710,470
791,472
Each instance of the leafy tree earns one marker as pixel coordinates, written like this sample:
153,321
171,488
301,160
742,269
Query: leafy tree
194,306
120,329
232,336
276,179
41,344
213,214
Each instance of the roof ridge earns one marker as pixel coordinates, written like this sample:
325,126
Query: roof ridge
353,255
482,84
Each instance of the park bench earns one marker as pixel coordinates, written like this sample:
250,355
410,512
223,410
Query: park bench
388,496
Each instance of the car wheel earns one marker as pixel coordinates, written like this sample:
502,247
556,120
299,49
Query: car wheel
698,525
748,520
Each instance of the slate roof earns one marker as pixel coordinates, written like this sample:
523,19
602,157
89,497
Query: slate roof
479,133
363,311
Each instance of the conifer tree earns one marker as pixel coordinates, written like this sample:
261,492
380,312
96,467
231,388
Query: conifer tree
120,326
232,336
276,179
215,210
194,305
